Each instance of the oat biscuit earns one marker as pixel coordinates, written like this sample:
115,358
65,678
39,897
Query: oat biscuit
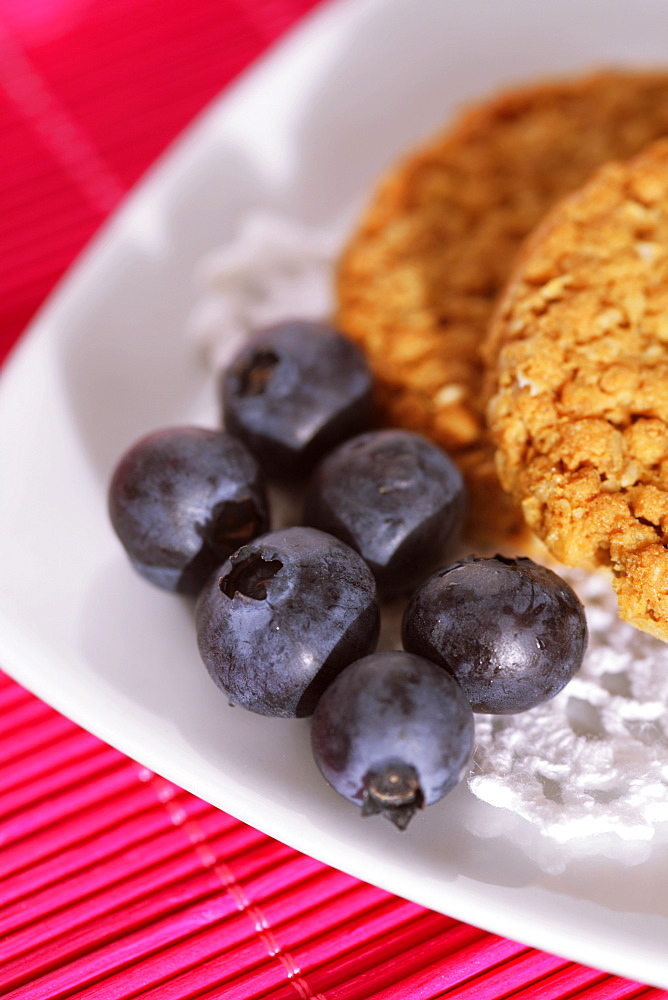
420,277
580,408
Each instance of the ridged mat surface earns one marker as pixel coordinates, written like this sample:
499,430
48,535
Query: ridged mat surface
114,883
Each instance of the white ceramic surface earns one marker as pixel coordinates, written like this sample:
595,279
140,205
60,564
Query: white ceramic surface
305,132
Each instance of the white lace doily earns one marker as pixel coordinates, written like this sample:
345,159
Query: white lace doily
275,269
584,773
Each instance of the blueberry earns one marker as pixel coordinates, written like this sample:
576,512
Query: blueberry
294,391
285,614
393,733
512,632
181,500
393,496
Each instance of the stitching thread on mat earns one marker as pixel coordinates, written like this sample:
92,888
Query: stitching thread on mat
57,130
165,793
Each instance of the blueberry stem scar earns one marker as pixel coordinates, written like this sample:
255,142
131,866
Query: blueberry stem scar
250,577
394,792
255,376
234,522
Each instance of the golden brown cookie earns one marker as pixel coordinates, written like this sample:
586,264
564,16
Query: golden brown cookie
420,277
580,410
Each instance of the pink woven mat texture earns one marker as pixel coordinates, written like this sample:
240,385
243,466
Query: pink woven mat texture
114,883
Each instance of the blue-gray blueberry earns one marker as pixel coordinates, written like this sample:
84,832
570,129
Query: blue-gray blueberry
294,391
181,500
393,733
283,616
512,632
396,498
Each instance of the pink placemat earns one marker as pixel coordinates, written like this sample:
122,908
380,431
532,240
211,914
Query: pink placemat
114,883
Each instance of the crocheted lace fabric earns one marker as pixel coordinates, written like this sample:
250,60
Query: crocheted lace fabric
583,774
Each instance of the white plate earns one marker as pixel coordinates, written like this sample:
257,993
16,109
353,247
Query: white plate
305,132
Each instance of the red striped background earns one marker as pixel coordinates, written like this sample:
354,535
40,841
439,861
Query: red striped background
114,883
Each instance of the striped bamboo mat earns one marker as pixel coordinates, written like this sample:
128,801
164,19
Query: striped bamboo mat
114,883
